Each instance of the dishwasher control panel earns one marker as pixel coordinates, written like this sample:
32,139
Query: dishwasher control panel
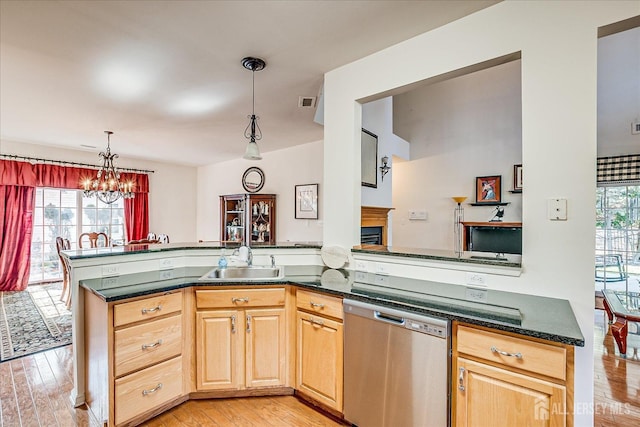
426,328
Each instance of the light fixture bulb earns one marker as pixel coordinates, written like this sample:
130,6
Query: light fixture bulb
252,152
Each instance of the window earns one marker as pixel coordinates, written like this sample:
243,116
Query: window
617,238
66,213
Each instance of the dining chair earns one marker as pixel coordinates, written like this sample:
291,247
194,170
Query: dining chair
63,244
163,238
93,239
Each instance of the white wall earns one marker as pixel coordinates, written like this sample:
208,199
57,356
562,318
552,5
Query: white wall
283,169
558,43
458,129
172,196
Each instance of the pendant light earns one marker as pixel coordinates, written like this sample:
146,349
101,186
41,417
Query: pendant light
107,185
253,132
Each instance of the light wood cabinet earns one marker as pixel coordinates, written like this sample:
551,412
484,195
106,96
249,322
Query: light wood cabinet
244,347
134,357
500,379
319,353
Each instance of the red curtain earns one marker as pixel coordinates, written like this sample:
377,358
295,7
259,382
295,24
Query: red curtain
17,191
136,216
16,219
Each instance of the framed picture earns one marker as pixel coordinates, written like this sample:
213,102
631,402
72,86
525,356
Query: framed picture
517,177
306,201
369,161
488,189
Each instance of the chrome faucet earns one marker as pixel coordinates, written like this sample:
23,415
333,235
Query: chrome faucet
273,261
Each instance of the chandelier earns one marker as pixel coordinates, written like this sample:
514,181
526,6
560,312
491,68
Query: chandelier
253,132
107,185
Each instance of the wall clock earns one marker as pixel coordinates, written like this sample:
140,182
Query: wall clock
253,179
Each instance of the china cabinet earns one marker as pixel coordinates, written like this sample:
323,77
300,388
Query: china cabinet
248,218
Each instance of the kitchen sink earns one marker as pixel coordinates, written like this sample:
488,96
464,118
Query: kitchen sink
253,273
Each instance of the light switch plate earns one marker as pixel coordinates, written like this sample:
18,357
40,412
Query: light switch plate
417,215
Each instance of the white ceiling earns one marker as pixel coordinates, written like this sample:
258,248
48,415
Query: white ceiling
166,76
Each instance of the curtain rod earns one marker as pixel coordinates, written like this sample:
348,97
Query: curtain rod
64,162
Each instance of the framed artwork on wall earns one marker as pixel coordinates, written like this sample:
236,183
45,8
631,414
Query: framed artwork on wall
369,161
488,189
306,201
517,177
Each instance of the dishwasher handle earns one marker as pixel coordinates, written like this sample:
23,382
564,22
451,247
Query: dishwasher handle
385,317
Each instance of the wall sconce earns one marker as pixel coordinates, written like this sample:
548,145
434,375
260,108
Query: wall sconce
385,166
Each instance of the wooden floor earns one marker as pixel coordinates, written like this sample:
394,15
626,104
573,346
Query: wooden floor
616,379
34,391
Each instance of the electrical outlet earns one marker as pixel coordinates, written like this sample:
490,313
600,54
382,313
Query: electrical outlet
110,270
381,268
476,279
381,280
360,276
477,295
110,282
165,264
362,265
166,274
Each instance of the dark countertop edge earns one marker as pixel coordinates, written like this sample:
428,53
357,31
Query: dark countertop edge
155,248
506,327
420,254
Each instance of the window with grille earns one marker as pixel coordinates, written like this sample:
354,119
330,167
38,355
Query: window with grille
66,213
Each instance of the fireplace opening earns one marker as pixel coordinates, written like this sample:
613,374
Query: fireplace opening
371,235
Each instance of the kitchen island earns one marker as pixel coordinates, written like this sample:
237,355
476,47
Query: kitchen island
111,278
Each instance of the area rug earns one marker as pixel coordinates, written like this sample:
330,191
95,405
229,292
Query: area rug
33,320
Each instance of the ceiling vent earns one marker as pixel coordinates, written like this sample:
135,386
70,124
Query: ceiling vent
307,101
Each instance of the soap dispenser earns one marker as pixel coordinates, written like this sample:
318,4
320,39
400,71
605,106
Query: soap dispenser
222,261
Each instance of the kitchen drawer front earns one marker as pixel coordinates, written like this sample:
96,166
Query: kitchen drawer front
221,298
534,356
320,304
145,309
147,343
144,390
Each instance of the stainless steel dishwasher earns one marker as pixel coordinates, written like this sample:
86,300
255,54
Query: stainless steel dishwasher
396,367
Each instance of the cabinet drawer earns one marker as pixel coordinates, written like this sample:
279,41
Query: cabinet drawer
147,343
535,357
147,389
145,309
319,303
215,298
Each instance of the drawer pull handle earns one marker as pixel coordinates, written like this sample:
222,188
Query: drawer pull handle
461,380
316,305
316,322
233,324
245,299
154,345
505,353
152,310
153,390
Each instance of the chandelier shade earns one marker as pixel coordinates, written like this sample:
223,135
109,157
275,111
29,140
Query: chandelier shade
107,185
252,131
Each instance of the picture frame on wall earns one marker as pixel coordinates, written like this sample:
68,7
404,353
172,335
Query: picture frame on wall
306,197
517,177
489,189
369,159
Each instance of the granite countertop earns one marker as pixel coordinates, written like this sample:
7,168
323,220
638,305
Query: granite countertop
146,248
484,258
540,317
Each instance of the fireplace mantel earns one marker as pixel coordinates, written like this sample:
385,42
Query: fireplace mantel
373,216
